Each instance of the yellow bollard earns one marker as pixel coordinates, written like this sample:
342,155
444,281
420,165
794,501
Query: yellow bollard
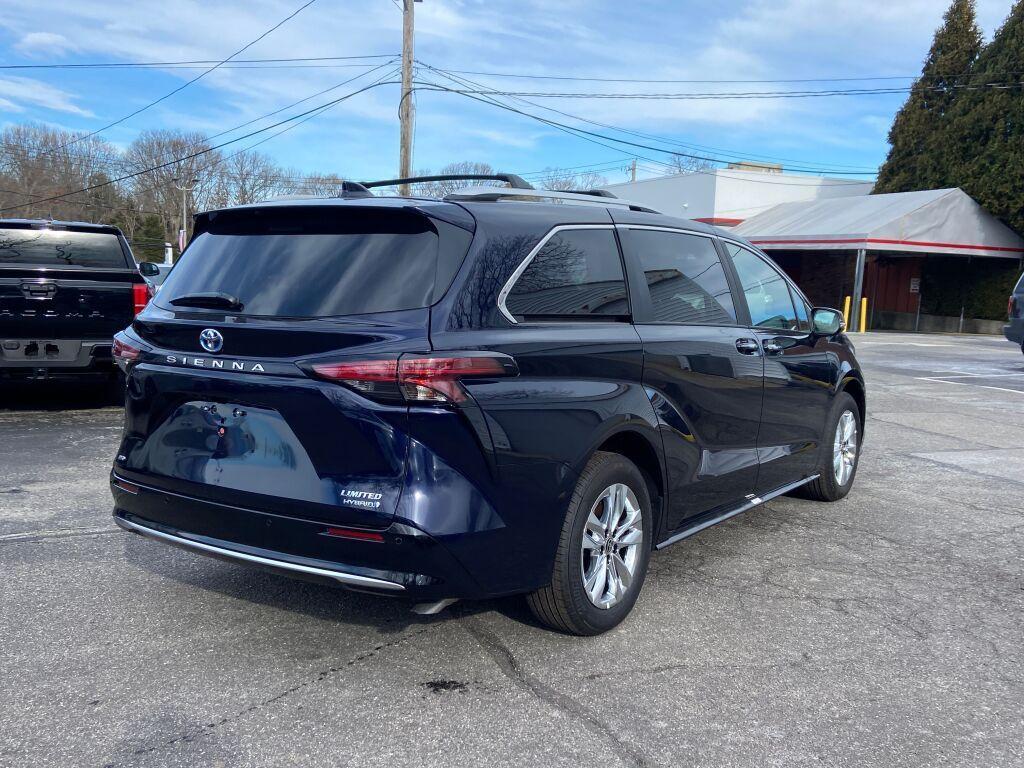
846,312
864,314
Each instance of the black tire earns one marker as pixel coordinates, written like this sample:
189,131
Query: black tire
826,487
564,604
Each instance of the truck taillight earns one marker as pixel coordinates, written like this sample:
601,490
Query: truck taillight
417,378
1011,307
140,296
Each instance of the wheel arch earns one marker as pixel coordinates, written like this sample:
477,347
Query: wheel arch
854,386
640,450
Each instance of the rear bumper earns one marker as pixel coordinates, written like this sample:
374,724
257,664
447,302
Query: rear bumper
406,563
269,561
1014,330
35,359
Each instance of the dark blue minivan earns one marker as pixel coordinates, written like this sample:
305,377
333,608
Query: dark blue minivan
504,391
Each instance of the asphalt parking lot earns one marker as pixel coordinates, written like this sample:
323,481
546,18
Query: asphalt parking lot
883,630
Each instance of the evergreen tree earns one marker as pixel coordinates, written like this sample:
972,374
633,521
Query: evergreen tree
148,244
985,144
916,138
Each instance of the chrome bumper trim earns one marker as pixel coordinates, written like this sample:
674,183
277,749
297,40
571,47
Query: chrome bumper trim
350,579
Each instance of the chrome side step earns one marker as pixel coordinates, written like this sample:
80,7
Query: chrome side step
349,579
751,502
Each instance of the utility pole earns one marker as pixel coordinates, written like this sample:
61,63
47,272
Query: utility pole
405,106
632,170
184,186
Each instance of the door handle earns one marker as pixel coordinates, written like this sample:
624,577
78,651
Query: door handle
748,347
772,347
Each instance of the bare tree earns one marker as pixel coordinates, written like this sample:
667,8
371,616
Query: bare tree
315,184
38,162
156,189
684,164
442,188
558,180
247,177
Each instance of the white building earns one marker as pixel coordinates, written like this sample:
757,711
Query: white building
728,196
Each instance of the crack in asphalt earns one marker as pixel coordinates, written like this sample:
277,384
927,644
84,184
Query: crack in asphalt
511,668
935,434
197,732
958,468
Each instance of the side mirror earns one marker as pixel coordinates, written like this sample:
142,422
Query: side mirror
827,322
149,269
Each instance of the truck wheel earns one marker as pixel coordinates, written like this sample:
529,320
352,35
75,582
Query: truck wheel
603,550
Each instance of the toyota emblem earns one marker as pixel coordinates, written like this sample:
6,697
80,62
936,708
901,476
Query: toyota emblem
211,340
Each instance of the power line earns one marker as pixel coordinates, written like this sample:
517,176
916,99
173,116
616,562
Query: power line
654,137
194,62
82,203
730,95
212,148
847,79
582,133
123,164
201,75
316,112
562,126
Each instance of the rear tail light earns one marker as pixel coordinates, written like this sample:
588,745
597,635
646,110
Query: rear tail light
141,295
1011,307
417,378
124,353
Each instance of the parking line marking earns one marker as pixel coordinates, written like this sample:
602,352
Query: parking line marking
977,375
968,384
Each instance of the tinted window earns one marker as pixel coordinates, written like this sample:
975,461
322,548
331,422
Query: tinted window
294,262
765,290
61,248
578,272
685,277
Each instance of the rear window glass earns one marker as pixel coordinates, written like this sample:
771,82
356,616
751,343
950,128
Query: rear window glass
61,248
319,262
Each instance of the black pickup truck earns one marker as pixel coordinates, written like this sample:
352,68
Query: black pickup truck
65,289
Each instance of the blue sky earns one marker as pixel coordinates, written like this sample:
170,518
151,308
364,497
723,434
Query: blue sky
645,39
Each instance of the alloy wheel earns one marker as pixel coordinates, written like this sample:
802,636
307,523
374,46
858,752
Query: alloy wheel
611,545
844,450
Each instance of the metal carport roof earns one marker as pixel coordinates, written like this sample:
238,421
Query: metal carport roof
939,221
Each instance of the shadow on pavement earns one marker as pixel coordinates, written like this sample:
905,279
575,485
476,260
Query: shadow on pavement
317,601
58,395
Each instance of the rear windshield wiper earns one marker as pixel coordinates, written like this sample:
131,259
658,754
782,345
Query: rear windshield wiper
214,300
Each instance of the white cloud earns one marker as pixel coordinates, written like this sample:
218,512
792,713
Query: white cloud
668,39
22,92
45,43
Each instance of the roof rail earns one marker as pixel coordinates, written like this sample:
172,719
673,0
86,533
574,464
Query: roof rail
592,197
509,178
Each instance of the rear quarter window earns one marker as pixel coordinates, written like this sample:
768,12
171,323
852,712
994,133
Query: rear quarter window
577,273
61,248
